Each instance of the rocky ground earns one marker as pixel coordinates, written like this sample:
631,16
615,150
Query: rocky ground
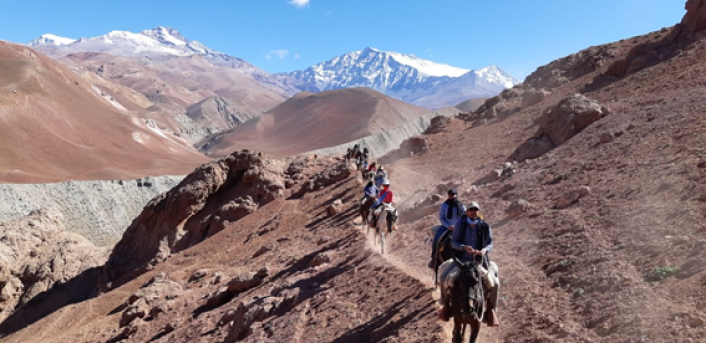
599,230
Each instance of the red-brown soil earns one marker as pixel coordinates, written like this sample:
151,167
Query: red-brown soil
311,121
56,127
584,273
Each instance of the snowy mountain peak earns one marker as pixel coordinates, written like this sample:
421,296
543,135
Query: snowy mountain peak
50,39
425,67
158,41
166,35
494,74
402,76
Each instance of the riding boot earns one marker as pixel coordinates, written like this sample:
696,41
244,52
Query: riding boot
444,313
491,318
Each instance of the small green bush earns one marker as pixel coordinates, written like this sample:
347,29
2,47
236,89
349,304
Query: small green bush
660,273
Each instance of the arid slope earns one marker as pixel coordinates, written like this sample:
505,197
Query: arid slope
56,126
310,121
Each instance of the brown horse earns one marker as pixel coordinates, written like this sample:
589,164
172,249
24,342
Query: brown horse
365,206
467,301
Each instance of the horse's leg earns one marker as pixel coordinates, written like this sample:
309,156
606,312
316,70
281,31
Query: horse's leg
382,241
458,331
475,330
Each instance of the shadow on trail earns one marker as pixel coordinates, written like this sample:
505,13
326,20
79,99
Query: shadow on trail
383,326
80,288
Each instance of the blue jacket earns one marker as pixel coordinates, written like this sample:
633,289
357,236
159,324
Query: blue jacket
371,190
479,237
457,214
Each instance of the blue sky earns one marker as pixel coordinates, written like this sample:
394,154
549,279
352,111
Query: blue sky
286,35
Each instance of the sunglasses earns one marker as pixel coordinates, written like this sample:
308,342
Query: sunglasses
473,209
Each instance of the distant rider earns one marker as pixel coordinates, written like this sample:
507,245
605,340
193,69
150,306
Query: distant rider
380,176
383,202
370,191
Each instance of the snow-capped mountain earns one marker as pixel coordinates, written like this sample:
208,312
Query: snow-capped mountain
158,41
405,77
50,39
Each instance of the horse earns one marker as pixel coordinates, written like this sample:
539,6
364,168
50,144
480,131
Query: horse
444,252
467,301
364,211
391,221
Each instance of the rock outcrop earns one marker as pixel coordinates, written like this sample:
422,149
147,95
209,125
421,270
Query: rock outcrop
36,253
218,192
409,147
573,114
694,20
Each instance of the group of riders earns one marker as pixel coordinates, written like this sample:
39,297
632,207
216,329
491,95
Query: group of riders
462,237
377,187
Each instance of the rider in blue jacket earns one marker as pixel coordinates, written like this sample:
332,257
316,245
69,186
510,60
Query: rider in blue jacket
450,212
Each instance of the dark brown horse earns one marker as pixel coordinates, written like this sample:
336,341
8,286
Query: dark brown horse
467,301
365,206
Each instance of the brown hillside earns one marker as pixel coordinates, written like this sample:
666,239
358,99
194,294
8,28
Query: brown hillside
321,283
57,127
471,104
313,121
601,238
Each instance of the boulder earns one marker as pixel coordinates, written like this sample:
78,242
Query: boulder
557,125
243,282
533,97
518,207
437,124
532,148
334,208
571,197
573,114
605,137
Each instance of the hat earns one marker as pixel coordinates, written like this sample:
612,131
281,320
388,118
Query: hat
472,204
452,191
381,167
386,182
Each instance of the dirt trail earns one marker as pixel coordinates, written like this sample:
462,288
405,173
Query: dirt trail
397,258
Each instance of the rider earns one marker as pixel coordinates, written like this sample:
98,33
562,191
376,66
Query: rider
370,191
383,202
450,212
381,176
472,237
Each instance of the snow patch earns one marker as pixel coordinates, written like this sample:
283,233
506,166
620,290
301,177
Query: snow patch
138,138
108,98
50,39
426,67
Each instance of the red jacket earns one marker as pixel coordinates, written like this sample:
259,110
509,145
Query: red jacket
388,196
371,167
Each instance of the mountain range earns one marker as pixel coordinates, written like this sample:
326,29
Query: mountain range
405,77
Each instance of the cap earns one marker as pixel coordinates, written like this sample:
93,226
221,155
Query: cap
452,191
472,204
386,182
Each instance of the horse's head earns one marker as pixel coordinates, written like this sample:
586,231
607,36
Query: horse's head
468,283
